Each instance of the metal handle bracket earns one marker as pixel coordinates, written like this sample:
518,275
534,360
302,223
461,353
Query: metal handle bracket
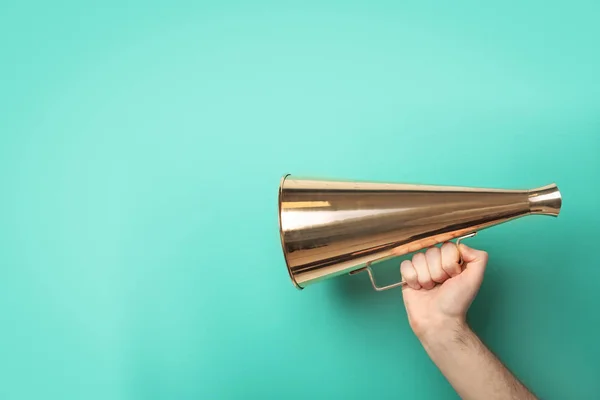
402,283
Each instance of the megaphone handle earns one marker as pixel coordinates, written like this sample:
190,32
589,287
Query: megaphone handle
402,283
470,235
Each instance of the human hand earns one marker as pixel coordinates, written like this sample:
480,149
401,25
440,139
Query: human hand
439,291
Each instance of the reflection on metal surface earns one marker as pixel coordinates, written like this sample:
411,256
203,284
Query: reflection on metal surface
329,228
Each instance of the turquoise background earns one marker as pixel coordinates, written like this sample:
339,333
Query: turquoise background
141,147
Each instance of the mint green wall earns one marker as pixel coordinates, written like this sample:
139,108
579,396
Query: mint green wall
141,146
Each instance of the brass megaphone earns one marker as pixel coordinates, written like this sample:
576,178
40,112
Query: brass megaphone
329,228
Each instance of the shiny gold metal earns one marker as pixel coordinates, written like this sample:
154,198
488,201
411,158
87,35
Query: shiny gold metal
334,227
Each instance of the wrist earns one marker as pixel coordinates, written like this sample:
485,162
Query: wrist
443,332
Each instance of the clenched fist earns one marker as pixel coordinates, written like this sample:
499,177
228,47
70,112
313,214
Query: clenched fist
439,290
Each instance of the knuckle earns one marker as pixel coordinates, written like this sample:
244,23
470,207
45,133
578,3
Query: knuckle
449,246
407,270
450,253
419,257
432,251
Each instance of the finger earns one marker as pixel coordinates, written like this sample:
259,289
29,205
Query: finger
407,270
434,261
475,262
450,259
420,263
471,255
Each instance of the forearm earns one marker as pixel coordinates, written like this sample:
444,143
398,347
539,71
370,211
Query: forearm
470,367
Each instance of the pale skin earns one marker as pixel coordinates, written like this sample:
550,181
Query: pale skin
437,295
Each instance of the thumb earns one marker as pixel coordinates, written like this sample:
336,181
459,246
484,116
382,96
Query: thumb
475,262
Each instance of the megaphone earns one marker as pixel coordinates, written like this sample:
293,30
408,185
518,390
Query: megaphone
334,227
